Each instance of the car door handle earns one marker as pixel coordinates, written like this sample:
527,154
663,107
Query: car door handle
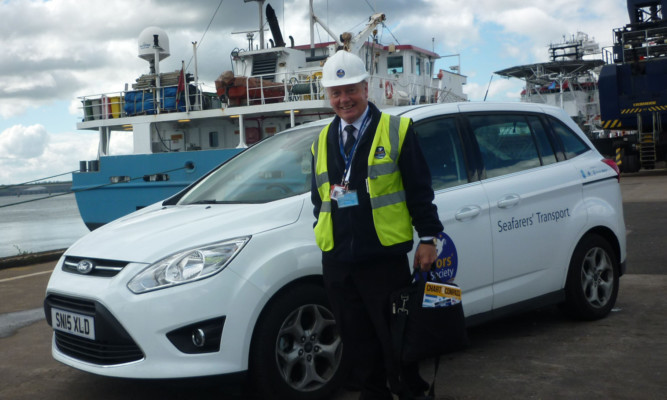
467,212
509,200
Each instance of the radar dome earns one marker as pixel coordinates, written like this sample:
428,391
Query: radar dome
150,39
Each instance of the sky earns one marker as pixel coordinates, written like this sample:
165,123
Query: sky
52,51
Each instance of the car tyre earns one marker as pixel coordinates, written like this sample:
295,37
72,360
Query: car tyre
296,348
593,277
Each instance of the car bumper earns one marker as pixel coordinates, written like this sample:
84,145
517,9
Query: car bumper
143,324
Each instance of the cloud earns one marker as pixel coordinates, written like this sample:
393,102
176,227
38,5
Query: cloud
28,153
23,142
44,59
498,89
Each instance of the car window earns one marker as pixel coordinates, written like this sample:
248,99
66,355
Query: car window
544,145
506,142
573,145
275,168
441,145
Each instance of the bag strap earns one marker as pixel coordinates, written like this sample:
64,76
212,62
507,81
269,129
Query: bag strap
401,321
397,337
398,343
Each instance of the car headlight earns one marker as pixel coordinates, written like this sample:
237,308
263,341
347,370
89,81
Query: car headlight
187,266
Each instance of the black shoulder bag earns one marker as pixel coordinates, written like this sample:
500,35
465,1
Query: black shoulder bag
428,327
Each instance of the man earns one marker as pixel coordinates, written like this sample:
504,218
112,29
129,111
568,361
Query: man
370,186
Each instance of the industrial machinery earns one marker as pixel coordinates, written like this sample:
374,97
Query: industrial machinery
633,89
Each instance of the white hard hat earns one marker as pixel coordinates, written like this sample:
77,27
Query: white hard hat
343,68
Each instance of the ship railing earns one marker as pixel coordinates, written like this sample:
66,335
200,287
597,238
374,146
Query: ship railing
642,44
274,88
608,55
146,101
402,90
304,85
102,106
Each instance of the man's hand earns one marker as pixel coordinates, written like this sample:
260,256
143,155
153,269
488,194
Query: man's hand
425,257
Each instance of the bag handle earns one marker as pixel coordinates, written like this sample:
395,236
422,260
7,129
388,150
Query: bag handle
427,276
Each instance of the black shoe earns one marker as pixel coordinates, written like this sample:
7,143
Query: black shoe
365,395
413,397
417,385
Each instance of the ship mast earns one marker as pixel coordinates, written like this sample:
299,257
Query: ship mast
261,21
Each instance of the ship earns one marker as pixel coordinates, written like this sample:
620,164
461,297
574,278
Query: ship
569,80
180,131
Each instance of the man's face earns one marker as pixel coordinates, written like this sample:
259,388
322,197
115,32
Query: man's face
349,101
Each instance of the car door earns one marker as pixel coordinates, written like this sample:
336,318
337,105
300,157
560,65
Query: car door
534,204
465,246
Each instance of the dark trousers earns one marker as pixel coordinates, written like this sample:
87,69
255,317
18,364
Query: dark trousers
359,295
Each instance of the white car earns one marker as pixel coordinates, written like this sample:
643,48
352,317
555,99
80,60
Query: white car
225,277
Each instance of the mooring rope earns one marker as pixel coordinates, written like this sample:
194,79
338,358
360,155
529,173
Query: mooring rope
35,180
81,190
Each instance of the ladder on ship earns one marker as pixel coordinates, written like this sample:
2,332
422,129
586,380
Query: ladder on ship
647,140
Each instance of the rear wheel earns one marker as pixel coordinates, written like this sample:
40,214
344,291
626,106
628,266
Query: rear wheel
592,282
296,349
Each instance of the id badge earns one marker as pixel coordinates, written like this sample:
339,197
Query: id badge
337,191
348,199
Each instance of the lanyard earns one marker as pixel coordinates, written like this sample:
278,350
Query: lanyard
348,158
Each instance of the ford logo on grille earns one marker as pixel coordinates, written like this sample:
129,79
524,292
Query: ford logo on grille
85,266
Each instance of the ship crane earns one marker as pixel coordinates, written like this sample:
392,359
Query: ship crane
355,43
351,44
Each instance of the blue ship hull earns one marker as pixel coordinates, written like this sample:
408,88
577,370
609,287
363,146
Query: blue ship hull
150,178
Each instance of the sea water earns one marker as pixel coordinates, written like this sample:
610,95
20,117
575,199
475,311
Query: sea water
41,225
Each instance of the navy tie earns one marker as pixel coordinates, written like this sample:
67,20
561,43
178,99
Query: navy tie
349,142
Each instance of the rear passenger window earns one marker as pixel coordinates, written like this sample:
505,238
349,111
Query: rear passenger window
544,145
573,145
506,142
441,145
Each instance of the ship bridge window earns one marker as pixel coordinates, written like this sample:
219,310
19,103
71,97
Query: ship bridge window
395,65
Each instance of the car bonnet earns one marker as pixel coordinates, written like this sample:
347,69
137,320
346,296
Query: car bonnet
148,236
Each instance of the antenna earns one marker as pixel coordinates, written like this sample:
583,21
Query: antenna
487,88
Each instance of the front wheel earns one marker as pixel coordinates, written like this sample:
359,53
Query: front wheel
296,350
592,282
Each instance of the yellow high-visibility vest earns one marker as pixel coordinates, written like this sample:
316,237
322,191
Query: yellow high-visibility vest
391,217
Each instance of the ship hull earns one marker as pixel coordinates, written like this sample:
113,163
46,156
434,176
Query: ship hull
127,183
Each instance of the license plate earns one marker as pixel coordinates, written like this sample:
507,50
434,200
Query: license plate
76,324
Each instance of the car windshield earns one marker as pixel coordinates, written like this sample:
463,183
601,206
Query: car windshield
273,169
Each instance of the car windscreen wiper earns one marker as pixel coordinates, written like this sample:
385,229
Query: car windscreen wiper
204,202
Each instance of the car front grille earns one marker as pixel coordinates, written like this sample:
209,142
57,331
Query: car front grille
101,268
96,352
112,344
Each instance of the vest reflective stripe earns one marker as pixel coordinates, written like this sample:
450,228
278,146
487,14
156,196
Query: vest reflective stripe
391,217
394,138
388,199
324,227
